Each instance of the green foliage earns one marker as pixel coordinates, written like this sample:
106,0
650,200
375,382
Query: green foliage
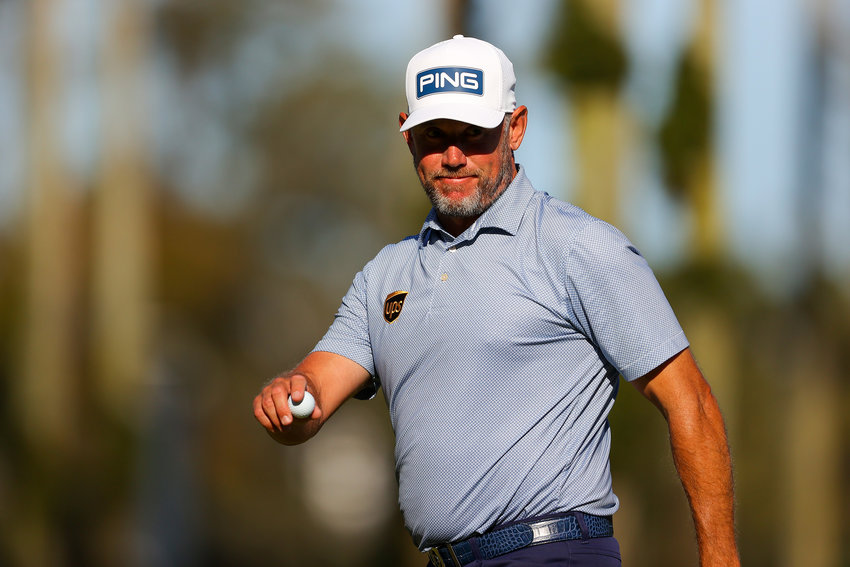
199,32
202,33
582,53
686,132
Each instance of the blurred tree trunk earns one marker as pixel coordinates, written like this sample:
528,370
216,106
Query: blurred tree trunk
458,17
603,133
53,248
814,425
812,477
123,223
714,330
707,225
122,278
589,57
45,391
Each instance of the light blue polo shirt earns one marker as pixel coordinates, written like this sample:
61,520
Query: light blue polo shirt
499,353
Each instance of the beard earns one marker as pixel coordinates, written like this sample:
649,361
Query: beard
486,192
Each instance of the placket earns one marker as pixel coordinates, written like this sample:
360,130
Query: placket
448,279
439,262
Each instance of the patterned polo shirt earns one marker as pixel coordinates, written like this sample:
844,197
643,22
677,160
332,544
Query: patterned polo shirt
499,354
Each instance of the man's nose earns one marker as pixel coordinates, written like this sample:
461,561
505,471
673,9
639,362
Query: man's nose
453,156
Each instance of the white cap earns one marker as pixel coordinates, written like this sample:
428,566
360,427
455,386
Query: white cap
462,79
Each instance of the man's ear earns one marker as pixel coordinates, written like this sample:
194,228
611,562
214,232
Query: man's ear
519,122
402,117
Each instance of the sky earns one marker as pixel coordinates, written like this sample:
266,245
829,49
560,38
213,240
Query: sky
770,149
772,143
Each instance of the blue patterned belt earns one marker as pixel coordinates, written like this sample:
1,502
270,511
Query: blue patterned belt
572,525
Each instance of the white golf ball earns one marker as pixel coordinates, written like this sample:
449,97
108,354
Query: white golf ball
305,408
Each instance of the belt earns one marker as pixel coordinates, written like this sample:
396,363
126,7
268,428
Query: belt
569,526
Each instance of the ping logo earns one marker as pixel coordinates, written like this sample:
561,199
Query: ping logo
450,80
393,304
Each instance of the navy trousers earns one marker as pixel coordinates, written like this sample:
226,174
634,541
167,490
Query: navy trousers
596,552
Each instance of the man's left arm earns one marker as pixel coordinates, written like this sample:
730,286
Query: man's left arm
700,452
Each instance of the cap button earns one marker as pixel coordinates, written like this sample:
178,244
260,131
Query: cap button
458,36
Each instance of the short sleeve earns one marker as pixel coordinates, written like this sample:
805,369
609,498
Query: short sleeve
348,334
618,303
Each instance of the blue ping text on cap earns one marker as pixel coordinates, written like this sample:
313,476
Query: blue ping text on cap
450,79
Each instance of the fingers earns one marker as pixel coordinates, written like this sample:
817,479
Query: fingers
260,414
298,384
271,405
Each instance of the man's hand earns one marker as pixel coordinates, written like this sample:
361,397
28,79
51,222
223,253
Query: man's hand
271,408
329,377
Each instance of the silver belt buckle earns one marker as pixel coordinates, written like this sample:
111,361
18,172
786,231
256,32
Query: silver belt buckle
544,531
435,557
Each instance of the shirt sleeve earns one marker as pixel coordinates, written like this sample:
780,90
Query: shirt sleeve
348,334
618,304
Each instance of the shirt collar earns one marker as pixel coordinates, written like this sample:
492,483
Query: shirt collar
505,214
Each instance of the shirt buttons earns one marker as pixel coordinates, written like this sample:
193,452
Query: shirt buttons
453,249
444,277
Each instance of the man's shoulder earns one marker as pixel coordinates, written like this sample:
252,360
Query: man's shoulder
562,218
559,209
562,226
394,252
403,246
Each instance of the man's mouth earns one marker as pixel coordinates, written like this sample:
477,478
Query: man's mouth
456,177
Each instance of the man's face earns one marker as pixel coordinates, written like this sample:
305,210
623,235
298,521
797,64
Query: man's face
463,168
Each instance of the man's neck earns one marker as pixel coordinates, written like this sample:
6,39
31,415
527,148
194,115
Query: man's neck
455,225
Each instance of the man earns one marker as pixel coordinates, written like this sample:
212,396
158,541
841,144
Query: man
498,335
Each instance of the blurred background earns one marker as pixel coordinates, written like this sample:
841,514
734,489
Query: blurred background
187,188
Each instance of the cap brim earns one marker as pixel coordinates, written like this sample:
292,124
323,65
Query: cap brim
483,117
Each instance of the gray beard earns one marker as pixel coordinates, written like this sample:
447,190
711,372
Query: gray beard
485,195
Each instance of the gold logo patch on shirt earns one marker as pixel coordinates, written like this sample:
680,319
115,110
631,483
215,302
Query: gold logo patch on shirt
393,304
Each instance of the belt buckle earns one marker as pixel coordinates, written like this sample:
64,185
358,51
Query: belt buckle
435,557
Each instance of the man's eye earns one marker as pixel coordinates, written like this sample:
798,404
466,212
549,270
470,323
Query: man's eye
433,133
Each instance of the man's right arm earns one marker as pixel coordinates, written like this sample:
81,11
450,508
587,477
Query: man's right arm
331,378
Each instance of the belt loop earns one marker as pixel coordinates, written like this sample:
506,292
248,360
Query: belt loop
579,516
452,553
476,551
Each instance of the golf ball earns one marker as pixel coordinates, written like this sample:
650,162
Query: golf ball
304,409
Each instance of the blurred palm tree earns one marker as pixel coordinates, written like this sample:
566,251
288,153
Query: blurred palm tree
45,393
588,58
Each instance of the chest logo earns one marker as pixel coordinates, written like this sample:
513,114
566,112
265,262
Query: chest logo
393,304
